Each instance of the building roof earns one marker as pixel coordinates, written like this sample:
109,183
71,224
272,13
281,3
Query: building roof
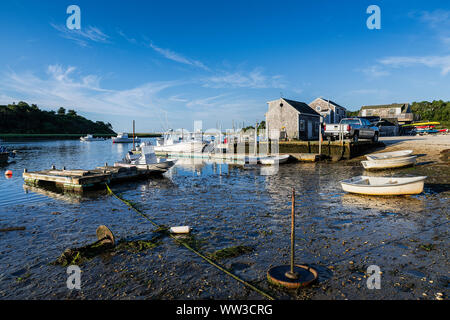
331,102
403,106
301,107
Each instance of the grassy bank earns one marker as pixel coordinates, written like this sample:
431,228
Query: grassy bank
64,136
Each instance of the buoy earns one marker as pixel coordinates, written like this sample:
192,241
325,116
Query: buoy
182,229
8,173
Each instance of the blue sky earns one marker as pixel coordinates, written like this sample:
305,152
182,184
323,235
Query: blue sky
167,64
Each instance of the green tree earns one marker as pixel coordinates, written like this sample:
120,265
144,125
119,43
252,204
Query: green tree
71,112
61,111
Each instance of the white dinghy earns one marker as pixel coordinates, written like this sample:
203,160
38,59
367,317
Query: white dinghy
271,160
146,160
384,186
389,163
389,155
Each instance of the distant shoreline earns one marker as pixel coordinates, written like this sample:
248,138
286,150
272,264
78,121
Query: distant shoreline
65,136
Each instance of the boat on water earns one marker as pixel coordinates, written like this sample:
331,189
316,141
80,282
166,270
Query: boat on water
271,160
389,155
146,160
172,142
389,163
90,137
123,138
384,186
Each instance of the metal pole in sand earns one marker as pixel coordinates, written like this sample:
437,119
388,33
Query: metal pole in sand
292,276
291,273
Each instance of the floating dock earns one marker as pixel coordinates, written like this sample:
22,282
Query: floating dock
80,180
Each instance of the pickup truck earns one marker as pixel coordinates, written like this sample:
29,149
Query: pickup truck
352,128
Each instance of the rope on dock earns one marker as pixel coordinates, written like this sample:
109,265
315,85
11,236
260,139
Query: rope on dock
187,246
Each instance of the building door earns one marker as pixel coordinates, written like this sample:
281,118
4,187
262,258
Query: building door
309,125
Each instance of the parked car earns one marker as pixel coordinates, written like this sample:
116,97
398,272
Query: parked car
352,128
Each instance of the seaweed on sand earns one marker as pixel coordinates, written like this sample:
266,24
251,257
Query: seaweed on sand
230,252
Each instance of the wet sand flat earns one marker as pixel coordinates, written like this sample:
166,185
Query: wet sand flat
339,234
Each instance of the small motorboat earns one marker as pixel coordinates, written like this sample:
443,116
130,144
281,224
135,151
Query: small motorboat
271,160
384,186
389,155
123,138
390,163
146,160
90,137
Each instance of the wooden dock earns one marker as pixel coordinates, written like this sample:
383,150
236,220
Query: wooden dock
79,180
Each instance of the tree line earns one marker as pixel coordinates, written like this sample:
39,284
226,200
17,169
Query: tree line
22,118
437,110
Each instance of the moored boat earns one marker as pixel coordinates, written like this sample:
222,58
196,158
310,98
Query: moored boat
146,160
384,186
389,155
271,160
90,137
389,163
123,138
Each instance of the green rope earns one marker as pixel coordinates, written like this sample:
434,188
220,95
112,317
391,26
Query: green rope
187,246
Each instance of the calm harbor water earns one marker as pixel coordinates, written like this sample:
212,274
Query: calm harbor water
339,234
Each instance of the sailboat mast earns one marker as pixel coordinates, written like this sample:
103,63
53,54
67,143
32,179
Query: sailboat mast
133,135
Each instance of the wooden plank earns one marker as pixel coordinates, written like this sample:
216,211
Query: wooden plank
69,172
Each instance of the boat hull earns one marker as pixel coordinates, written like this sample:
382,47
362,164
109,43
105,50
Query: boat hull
125,140
191,147
389,155
389,164
159,167
380,186
271,160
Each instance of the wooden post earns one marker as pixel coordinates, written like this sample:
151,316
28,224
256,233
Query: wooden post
292,230
320,135
292,274
256,138
133,136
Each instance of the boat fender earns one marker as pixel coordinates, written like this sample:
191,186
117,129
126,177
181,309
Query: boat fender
181,229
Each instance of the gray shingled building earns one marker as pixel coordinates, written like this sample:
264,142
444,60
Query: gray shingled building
294,119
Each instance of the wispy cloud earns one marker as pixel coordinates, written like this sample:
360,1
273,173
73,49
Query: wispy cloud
171,55
254,79
64,86
441,62
374,72
126,37
436,19
83,36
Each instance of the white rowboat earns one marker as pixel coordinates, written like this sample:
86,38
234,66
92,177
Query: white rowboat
390,163
271,160
389,155
384,186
